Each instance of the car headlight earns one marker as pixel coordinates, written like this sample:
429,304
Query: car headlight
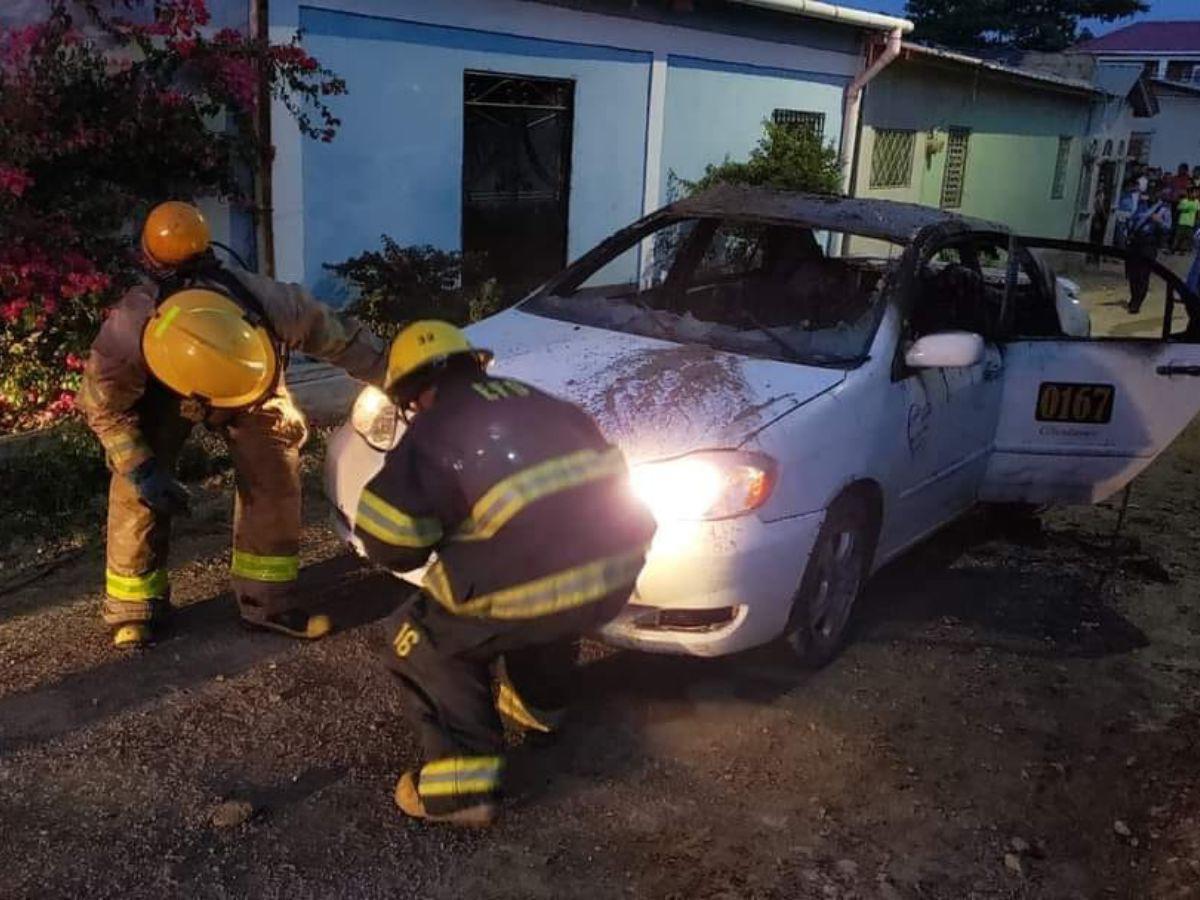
714,484
374,417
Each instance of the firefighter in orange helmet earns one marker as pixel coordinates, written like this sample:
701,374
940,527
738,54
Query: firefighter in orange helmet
196,343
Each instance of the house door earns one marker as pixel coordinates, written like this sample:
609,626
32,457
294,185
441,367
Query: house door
517,175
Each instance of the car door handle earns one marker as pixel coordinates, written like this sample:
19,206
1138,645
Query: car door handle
1178,370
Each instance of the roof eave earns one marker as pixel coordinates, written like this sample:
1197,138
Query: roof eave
829,12
1056,82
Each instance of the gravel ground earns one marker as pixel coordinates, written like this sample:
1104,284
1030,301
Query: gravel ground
1017,716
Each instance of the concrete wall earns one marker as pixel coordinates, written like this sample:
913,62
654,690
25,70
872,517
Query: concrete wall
714,110
651,96
1176,129
396,166
1015,130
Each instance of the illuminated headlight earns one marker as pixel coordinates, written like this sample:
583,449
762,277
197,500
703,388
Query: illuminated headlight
710,485
374,418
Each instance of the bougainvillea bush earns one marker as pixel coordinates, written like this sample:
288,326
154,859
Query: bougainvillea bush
106,108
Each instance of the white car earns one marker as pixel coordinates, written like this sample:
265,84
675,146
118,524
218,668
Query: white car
807,386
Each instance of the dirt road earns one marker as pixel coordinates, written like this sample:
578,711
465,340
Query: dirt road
1018,716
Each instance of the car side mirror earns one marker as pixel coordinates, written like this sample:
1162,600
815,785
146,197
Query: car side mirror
945,350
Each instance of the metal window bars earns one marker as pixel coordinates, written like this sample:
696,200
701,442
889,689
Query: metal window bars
892,158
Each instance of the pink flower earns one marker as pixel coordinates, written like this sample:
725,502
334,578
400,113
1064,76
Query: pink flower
73,362
240,79
14,181
64,404
12,310
184,46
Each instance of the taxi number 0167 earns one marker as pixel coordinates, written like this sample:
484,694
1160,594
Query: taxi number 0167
1060,401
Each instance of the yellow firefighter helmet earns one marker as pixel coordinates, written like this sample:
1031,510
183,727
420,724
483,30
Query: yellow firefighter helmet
174,233
201,344
427,343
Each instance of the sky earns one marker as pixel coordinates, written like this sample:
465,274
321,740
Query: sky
1159,9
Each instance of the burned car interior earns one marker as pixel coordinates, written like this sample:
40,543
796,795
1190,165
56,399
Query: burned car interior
803,278
746,286
972,283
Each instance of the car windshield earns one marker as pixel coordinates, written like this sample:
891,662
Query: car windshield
780,291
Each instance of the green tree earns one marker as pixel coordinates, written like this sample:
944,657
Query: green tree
1047,25
787,157
398,285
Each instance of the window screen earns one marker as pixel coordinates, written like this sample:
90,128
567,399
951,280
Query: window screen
812,122
892,158
956,168
1060,168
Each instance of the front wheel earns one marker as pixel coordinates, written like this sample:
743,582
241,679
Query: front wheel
836,572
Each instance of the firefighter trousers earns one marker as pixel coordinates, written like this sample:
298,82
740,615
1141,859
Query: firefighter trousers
264,443
445,662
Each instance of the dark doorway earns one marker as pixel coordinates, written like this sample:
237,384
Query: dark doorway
517,175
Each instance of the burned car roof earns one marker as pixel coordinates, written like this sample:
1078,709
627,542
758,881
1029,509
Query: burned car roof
869,217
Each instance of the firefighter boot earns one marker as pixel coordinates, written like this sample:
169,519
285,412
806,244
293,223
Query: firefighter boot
133,636
408,798
295,623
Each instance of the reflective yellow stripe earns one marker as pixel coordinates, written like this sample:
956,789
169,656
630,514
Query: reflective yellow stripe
265,568
553,593
161,328
124,447
510,704
151,586
460,775
508,497
382,520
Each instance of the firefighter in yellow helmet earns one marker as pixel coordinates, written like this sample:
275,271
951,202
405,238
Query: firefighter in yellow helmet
538,541
197,343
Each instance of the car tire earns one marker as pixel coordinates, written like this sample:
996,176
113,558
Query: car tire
834,577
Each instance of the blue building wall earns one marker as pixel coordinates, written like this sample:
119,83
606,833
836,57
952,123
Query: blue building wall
716,109
396,165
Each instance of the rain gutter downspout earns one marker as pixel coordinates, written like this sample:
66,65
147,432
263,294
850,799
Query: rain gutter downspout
852,108
895,27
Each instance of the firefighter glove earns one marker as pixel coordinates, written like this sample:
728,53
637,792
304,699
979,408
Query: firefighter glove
158,490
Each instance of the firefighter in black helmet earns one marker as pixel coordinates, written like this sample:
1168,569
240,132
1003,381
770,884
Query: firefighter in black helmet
538,542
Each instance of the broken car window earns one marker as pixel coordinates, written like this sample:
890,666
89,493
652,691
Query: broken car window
768,290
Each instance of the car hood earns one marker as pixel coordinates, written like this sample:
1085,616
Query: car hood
653,398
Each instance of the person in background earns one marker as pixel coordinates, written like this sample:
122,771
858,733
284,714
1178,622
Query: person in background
1149,227
1131,197
1178,183
1099,225
1185,220
1193,276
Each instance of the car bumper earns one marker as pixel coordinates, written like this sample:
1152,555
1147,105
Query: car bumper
708,588
748,568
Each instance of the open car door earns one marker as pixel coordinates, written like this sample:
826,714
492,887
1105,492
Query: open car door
1081,417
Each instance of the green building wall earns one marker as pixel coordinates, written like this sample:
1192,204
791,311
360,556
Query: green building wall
1015,129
